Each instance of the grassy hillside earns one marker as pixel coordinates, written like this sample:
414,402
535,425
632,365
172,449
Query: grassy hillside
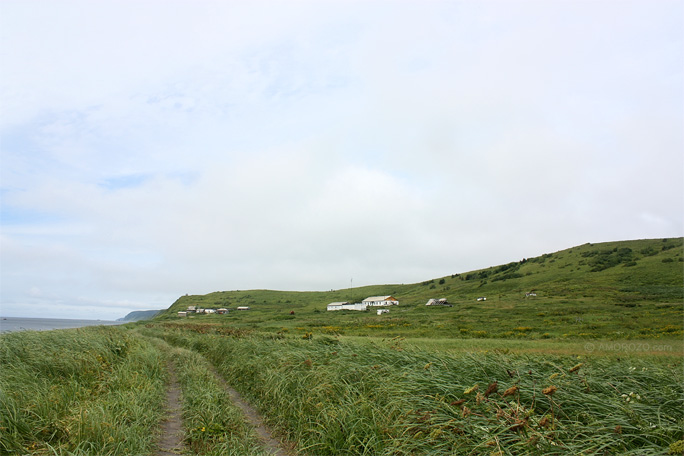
623,289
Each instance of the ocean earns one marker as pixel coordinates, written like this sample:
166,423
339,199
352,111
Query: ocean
11,324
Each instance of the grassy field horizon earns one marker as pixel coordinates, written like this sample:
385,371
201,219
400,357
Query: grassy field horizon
593,364
611,290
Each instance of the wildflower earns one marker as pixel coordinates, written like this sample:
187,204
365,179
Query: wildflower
512,390
471,389
552,376
427,366
549,391
576,367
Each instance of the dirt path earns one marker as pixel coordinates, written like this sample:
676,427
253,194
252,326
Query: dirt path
170,442
264,432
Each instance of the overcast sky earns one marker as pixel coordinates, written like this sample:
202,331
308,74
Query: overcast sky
155,148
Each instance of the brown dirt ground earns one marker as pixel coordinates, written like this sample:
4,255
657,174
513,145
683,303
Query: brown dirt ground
170,442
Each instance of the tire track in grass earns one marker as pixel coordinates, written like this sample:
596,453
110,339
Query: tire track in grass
170,442
263,431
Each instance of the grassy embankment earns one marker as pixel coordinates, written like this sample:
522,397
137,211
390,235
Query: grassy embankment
615,290
379,398
90,391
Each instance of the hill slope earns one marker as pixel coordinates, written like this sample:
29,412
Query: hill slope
614,289
138,315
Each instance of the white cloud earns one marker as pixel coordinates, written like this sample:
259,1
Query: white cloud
155,149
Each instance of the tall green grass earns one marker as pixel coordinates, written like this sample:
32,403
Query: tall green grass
89,391
213,424
344,398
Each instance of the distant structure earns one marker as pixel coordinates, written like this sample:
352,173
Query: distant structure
438,302
243,308
346,306
382,311
373,301
380,301
530,294
482,298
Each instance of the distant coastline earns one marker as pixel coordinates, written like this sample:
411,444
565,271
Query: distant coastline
13,324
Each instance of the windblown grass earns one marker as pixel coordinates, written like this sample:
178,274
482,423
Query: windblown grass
213,424
89,391
340,397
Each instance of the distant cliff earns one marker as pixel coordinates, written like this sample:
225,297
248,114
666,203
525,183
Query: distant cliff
138,315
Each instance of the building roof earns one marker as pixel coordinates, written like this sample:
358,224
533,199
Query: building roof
380,298
338,303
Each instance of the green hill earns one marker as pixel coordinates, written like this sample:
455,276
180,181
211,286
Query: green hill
138,315
622,289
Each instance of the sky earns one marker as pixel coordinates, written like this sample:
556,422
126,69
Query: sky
150,149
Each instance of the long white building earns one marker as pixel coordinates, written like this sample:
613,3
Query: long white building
346,306
380,301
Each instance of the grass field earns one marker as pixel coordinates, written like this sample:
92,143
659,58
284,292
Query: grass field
390,397
593,364
90,391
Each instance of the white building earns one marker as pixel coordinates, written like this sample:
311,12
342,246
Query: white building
383,311
380,301
346,306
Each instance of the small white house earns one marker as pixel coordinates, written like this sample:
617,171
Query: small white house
346,306
209,311
482,298
192,308
382,311
222,311
242,308
380,301
530,294
182,314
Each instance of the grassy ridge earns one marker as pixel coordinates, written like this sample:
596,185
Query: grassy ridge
618,290
88,391
379,398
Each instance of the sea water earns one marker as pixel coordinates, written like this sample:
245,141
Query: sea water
11,324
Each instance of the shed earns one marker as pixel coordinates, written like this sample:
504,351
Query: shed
438,302
182,314
242,308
